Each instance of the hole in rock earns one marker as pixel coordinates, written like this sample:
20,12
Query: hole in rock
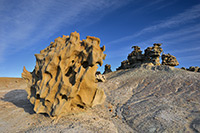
37,96
85,64
69,72
64,97
80,106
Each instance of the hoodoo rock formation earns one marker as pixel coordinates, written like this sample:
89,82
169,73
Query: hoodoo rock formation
107,69
170,60
63,80
150,57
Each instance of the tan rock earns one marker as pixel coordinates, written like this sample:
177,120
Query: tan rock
63,80
136,58
147,56
169,60
107,69
155,53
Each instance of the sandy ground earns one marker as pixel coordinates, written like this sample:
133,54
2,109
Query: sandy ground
146,99
17,115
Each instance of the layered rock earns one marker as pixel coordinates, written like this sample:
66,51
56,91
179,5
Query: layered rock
63,80
107,69
170,60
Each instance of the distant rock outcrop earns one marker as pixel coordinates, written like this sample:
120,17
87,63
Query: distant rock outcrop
183,68
151,56
170,60
63,80
192,69
107,69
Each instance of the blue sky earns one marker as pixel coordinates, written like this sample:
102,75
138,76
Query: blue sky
28,26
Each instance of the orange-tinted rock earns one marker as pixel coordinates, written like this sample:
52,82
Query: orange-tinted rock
63,80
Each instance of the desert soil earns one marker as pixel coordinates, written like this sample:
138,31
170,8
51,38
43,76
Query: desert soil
145,99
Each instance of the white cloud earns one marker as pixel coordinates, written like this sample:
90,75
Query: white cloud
177,36
182,18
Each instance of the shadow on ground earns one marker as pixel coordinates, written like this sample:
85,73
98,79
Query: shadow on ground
19,98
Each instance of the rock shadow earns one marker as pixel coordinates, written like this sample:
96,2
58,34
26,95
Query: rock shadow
19,99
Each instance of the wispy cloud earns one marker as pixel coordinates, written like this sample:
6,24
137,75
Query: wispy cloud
25,22
176,36
182,18
151,4
187,50
189,58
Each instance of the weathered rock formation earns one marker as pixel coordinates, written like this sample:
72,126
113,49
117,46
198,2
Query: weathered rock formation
100,77
155,53
151,56
192,69
169,60
183,68
63,80
107,69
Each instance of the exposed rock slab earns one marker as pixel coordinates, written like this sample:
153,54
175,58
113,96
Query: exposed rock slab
155,99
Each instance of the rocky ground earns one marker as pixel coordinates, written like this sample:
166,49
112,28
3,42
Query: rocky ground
145,99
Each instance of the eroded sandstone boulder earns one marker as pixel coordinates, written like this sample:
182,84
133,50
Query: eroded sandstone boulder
107,69
170,60
63,80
